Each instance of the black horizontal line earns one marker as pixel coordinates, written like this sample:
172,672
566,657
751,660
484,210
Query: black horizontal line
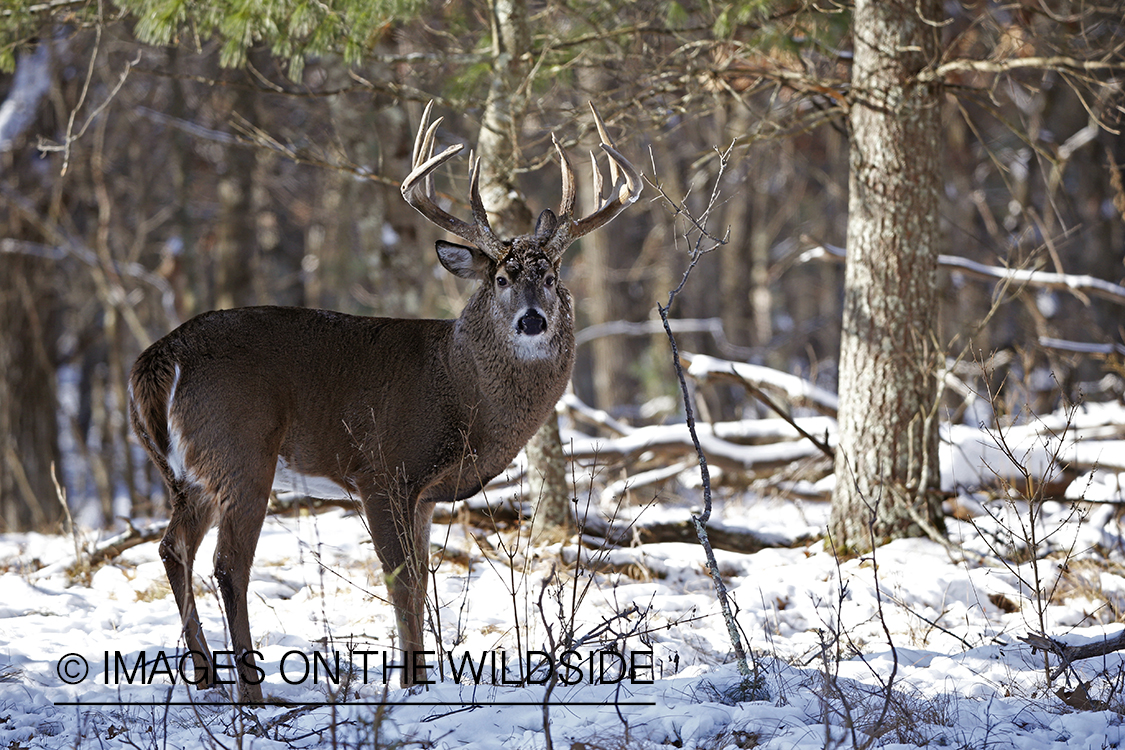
447,704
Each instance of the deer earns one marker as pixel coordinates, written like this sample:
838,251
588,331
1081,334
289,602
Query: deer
399,414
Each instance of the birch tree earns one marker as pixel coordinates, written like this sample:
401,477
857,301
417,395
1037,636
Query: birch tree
510,216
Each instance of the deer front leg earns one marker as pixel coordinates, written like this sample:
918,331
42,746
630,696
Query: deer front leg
401,533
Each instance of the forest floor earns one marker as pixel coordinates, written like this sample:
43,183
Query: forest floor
916,645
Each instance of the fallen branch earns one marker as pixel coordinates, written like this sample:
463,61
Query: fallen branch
676,441
804,389
731,538
111,548
796,390
1072,653
581,411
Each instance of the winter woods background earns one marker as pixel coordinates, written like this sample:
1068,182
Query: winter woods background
912,214
159,161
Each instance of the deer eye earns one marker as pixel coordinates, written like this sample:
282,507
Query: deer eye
501,281
549,280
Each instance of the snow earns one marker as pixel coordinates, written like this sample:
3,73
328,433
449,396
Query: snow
915,645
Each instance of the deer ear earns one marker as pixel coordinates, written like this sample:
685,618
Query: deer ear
546,224
461,260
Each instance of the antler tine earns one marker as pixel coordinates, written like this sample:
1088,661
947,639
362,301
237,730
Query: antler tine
566,208
613,174
626,189
418,190
420,138
427,152
480,216
425,163
597,177
629,189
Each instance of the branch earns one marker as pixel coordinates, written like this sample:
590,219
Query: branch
579,409
72,247
111,548
1078,285
697,250
715,440
1068,654
257,138
1057,62
1080,347
714,326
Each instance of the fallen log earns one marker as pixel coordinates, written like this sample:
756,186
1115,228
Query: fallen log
1071,653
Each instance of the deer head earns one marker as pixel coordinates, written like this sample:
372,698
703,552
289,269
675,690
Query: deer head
519,277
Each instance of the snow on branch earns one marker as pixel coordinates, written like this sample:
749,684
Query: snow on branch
1081,347
1055,62
716,441
1076,284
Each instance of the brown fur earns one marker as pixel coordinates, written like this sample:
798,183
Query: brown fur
397,413
401,413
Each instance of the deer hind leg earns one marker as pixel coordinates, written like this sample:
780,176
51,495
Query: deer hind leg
240,525
192,512
401,533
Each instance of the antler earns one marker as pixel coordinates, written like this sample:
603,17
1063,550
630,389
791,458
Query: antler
626,189
418,190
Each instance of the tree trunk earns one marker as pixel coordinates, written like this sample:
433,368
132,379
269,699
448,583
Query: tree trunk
28,305
886,465
509,215
236,250
28,420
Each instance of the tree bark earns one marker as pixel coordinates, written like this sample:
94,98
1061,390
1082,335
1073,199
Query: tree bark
236,250
28,421
509,215
886,464
28,303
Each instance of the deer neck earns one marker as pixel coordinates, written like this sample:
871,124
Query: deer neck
506,385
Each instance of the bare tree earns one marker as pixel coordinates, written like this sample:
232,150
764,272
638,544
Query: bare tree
498,141
28,425
886,465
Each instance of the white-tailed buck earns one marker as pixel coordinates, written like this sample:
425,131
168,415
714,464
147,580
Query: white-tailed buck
398,413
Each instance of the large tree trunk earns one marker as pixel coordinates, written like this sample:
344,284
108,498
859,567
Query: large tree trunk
886,465
236,248
509,215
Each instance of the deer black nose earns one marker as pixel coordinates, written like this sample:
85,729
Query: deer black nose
532,323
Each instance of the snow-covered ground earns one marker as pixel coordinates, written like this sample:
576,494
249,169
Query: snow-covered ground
916,645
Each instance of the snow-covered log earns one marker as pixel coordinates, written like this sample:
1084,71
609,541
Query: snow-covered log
796,390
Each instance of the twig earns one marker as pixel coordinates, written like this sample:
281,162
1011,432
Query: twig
71,136
698,250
